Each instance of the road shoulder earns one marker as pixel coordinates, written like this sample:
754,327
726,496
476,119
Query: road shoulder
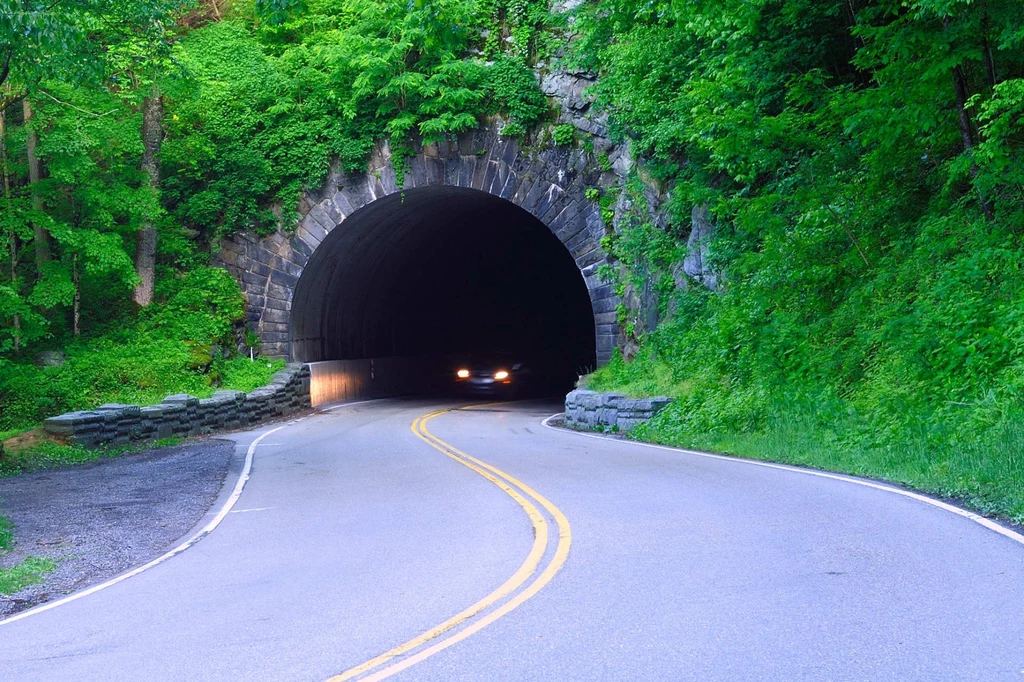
100,519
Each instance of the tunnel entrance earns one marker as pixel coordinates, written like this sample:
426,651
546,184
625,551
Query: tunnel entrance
443,271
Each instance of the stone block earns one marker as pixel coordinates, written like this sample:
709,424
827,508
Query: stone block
609,411
258,282
117,407
571,220
416,175
509,151
603,304
452,171
512,182
332,211
524,189
281,263
317,216
480,170
275,315
66,425
284,279
495,176
467,170
435,170
591,258
183,399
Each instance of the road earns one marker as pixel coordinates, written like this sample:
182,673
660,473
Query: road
560,556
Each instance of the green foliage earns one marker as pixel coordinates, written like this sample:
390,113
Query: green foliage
201,307
6,534
515,27
563,135
277,12
257,108
29,572
862,163
79,42
266,108
514,92
242,375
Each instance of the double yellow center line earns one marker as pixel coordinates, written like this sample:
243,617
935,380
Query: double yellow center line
497,604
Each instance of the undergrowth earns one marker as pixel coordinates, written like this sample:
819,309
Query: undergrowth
29,572
6,534
48,454
984,472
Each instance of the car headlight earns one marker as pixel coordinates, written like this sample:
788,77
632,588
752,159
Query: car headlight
501,374
463,373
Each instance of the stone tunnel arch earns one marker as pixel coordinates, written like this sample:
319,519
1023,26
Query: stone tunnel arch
481,171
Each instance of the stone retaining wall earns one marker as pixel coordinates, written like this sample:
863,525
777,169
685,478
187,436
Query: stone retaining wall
589,410
185,415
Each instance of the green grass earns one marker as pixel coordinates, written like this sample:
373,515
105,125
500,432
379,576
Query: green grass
644,377
6,534
984,471
29,572
241,374
52,455
4,435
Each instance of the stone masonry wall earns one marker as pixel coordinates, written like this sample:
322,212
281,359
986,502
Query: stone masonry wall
589,410
546,180
185,415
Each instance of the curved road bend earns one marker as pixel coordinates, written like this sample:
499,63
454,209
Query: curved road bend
356,534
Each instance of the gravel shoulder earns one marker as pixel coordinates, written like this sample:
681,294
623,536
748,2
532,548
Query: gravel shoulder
100,519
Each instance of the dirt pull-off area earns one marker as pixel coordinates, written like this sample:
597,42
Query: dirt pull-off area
100,519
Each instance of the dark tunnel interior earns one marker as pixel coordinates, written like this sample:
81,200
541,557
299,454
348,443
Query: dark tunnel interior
449,274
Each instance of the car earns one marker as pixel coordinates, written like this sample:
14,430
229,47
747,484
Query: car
491,377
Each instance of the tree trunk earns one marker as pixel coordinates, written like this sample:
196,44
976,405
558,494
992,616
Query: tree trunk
77,309
967,132
16,322
42,238
988,57
145,247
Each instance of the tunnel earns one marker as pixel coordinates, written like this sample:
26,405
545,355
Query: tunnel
443,273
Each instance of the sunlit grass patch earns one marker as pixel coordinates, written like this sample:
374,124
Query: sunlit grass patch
29,572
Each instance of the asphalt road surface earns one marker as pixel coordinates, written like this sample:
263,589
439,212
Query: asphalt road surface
394,539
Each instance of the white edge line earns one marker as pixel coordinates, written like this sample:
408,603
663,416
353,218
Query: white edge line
358,402
243,511
206,530
977,518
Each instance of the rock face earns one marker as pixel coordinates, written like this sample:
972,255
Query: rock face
696,262
589,410
184,415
